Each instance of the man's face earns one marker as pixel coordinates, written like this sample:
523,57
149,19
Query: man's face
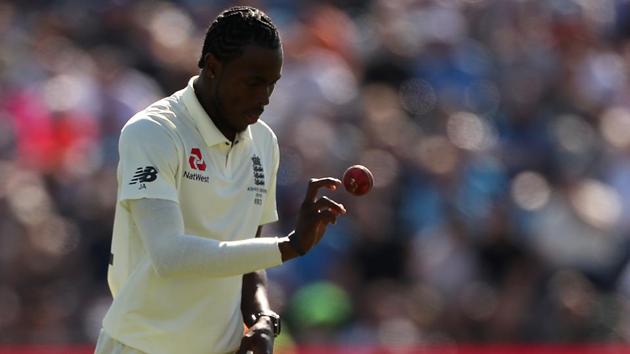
243,86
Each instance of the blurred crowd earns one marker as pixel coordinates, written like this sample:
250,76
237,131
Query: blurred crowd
498,132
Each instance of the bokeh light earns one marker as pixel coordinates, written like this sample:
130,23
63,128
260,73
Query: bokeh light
615,127
468,131
417,96
437,154
530,190
597,203
574,134
178,22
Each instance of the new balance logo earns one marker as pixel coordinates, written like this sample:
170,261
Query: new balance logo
144,174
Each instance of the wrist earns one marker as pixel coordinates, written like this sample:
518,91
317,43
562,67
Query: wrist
269,319
294,241
287,250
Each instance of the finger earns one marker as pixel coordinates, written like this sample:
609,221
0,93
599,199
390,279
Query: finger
328,216
316,183
245,346
257,343
325,203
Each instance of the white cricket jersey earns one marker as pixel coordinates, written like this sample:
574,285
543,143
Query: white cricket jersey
172,150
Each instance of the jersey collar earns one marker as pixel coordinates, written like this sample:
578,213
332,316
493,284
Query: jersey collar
208,130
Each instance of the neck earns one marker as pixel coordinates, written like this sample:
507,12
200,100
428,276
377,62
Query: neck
209,100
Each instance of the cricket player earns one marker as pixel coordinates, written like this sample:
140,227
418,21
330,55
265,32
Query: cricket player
196,182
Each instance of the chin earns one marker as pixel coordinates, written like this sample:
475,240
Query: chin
241,128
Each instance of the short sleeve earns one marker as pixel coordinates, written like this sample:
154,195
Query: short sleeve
270,212
148,162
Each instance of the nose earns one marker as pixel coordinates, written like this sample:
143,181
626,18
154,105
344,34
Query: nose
264,94
264,99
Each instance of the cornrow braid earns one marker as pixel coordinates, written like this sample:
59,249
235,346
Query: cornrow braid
235,28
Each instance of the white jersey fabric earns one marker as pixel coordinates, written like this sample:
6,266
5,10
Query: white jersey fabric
173,151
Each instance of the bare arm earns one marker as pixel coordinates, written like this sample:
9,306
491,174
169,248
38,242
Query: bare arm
254,300
254,293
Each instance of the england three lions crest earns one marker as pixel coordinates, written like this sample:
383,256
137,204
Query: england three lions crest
259,172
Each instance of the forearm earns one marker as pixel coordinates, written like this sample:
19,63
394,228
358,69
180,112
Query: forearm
254,295
172,252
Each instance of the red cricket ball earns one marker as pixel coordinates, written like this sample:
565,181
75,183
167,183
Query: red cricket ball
358,180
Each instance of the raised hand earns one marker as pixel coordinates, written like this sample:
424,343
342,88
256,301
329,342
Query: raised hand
315,214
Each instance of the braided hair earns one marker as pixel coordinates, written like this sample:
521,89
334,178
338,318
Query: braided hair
235,28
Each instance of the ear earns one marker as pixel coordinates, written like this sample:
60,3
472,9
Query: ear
212,65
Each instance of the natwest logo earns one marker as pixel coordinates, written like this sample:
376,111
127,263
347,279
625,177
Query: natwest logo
196,160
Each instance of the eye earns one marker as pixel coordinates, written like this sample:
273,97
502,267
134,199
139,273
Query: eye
253,83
